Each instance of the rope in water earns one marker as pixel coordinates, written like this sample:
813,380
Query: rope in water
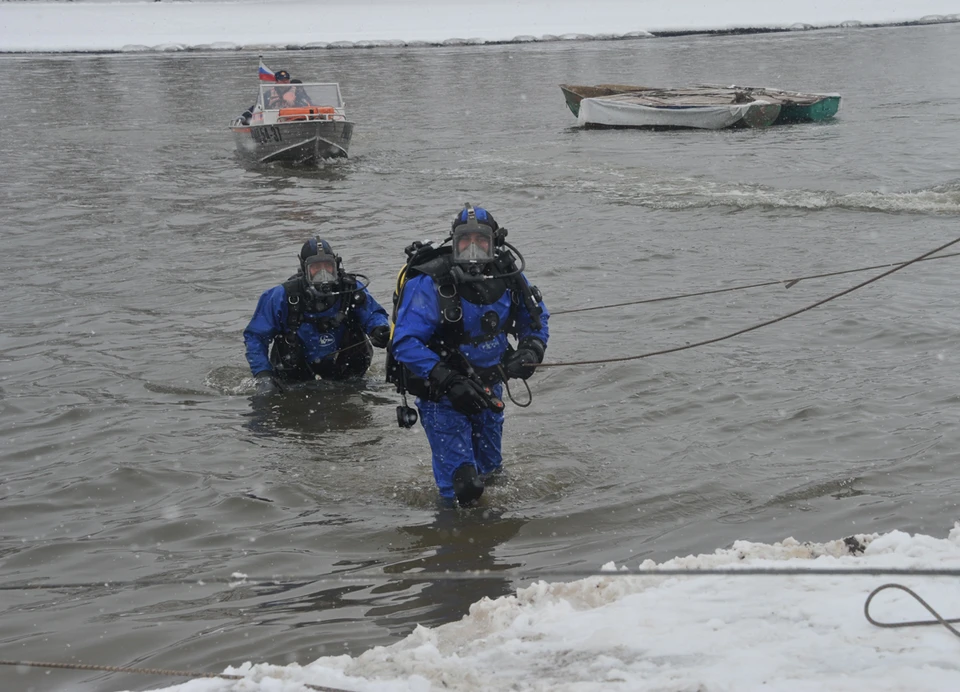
482,575
147,671
621,359
786,283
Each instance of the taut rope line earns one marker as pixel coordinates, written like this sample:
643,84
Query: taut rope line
786,283
149,671
481,575
622,359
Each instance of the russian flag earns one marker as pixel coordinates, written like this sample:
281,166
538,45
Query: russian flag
266,74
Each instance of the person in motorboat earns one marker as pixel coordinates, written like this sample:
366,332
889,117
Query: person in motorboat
319,323
454,307
300,97
282,95
273,98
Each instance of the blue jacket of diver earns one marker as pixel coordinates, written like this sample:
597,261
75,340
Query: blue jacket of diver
317,333
419,319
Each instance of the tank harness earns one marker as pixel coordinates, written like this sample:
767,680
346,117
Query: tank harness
288,354
452,286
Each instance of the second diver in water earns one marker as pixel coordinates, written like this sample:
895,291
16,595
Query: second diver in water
316,324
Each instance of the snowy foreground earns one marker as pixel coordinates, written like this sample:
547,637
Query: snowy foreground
678,633
264,24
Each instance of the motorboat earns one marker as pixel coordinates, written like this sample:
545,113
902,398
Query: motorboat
294,123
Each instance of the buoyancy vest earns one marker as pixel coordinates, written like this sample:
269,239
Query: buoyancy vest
354,354
297,307
437,263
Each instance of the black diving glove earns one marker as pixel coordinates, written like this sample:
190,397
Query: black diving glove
466,396
267,384
380,336
522,363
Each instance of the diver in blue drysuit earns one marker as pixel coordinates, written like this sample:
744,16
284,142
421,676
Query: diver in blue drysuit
452,318
315,324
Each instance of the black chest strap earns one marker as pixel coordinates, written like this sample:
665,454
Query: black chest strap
297,307
450,295
450,334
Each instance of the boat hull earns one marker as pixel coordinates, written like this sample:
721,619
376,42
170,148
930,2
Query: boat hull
824,109
298,143
608,112
796,106
760,115
573,95
790,106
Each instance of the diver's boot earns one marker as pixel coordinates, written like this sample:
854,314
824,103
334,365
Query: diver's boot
466,484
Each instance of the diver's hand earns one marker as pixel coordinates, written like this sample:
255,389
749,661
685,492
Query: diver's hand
522,363
267,384
380,336
466,396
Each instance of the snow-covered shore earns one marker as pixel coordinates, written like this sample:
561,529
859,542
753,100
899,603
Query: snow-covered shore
297,24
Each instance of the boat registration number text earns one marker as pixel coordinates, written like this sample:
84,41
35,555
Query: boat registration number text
266,134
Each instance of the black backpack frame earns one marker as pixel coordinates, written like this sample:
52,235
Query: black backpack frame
437,262
287,355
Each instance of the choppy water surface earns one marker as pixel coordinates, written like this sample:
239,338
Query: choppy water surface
135,246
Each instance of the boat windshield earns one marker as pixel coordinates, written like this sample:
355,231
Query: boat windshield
274,96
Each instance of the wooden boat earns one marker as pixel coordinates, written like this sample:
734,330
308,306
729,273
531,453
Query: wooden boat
795,106
574,94
294,123
694,107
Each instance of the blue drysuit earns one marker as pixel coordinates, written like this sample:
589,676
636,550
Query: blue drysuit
270,320
456,439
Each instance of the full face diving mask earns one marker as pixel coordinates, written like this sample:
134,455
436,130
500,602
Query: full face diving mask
472,241
320,272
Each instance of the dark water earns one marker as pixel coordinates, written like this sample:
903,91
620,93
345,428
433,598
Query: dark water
134,247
